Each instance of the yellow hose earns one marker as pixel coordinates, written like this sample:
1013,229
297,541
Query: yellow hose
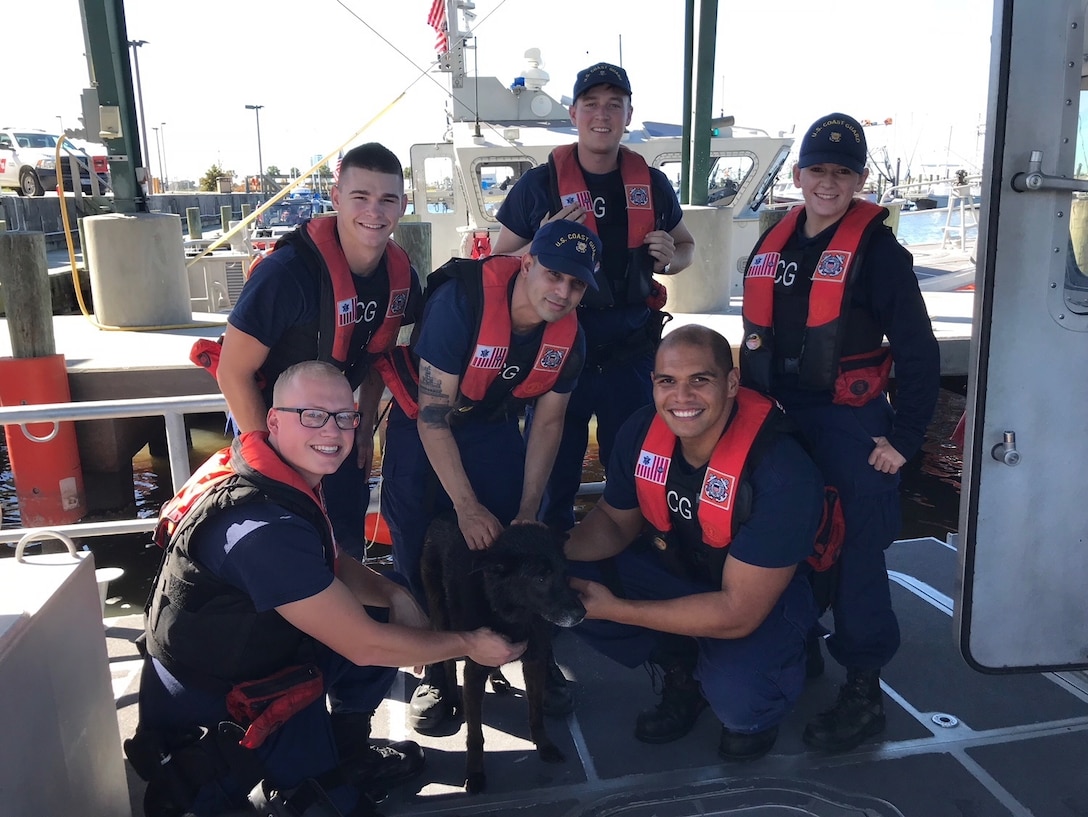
75,270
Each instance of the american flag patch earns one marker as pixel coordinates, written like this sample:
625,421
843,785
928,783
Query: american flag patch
489,357
652,467
580,198
763,265
345,312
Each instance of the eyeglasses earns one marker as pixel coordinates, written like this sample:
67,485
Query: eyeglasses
316,418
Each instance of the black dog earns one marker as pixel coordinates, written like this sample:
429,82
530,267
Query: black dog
518,588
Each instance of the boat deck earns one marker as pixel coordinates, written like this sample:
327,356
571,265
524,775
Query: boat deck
958,743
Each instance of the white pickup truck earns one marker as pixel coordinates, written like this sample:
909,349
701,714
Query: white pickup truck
28,163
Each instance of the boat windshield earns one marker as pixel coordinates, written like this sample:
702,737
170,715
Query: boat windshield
285,214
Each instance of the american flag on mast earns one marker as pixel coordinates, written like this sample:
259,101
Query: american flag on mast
439,22
336,167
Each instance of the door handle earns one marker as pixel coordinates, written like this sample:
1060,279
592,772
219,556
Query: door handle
1034,179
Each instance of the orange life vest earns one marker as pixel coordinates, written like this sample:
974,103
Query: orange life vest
723,473
488,292
820,364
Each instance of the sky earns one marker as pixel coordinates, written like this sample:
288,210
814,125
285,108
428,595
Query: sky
324,68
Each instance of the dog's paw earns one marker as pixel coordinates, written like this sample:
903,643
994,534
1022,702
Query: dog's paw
550,753
475,783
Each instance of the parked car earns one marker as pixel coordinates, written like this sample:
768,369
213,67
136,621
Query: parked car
28,163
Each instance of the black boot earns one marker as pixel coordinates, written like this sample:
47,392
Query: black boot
431,702
739,747
366,765
558,692
681,698
858,714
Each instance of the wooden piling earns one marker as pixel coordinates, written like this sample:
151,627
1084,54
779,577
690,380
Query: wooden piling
192,216
224,216
415,237
24,278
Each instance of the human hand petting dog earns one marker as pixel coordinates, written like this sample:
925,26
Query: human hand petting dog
488,648
478,525
405,610
596,598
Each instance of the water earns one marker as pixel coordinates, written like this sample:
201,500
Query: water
930,497
927,226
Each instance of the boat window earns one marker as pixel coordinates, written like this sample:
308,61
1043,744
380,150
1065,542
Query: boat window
438,174
1076,260
728,173
494,180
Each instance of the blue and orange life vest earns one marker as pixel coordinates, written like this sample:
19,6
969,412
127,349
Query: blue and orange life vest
487,285
203,629
854,381
717,503
571,188
757,422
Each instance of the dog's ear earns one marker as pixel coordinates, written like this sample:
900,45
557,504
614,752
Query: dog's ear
489,561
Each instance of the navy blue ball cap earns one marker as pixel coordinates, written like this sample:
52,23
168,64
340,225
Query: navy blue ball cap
834,139
568,247
603,73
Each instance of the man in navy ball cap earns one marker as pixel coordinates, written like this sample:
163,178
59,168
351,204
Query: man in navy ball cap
498,334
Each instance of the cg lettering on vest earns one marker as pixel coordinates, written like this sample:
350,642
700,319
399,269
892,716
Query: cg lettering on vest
786,273
510,372
364,313
679,504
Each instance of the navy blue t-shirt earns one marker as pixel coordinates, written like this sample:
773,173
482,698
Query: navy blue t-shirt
529,201
272,555
448,334
282,293
787,492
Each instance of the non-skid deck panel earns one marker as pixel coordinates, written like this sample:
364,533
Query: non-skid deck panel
1048,775
930,673
927,560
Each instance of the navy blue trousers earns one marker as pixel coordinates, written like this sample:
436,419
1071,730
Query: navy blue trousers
493,456
612,394
303,747
751,683
866,631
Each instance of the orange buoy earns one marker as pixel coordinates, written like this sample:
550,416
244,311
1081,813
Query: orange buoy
376,530
44,456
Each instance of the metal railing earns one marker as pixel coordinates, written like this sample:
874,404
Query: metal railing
924,186
171,409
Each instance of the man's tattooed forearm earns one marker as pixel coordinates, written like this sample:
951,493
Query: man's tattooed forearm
435,416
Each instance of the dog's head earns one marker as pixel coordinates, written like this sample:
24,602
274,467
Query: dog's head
525,572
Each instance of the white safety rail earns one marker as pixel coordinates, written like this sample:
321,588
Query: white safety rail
171,409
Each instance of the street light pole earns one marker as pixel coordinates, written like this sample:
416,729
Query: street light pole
162,158
158,150
135,45
260,160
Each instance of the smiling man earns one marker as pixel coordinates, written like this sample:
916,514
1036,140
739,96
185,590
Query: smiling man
497,334
336,289
254,618
718,597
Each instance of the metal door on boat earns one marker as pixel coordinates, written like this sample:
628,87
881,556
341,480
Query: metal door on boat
1024,510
